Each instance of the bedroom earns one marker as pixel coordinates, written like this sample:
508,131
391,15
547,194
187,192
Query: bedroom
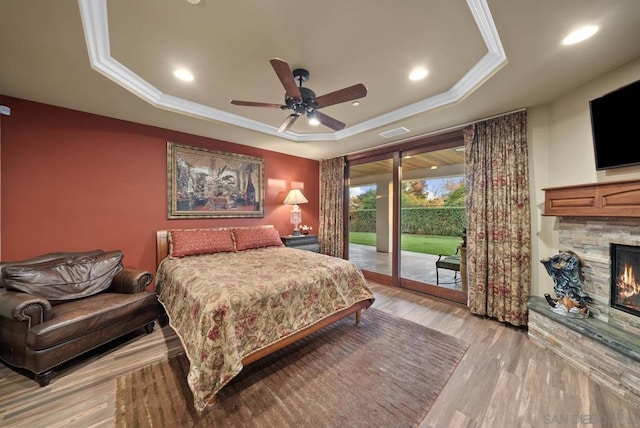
54,161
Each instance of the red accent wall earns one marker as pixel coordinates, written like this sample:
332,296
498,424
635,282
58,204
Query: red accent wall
73,181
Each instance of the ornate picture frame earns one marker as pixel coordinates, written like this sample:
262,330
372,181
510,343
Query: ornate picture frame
204,183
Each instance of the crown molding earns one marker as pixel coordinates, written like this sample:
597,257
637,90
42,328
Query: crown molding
95,24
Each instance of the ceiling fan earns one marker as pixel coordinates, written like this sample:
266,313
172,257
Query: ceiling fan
303,101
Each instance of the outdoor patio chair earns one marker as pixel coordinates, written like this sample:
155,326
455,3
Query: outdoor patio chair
449,262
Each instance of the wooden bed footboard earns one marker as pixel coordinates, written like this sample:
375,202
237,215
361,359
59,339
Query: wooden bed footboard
261,353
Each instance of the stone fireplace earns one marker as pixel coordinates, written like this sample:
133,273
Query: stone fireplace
601,223
625,287
591,238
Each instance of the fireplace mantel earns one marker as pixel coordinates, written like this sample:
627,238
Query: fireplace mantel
606,199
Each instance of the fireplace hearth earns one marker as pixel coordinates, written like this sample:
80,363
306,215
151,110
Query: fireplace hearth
625,286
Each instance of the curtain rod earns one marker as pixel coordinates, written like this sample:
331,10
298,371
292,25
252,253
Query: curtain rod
438,131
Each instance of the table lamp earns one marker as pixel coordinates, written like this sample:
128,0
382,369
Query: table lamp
294,198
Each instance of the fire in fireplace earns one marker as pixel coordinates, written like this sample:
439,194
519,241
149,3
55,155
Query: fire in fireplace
625,287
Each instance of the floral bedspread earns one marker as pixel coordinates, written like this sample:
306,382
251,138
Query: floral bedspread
225,306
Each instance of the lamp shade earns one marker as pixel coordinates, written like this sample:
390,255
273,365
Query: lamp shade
295,197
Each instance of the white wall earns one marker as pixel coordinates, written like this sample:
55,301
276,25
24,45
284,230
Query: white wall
561,154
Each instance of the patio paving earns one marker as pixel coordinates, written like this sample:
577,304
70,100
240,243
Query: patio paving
415,266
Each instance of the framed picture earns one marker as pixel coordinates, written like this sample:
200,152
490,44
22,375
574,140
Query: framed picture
207,184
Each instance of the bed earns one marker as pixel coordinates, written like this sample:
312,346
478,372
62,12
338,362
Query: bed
235,295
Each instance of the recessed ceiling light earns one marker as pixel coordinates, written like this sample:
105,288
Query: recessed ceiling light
355,103
418,73
434,167
580,34
193,1
183,74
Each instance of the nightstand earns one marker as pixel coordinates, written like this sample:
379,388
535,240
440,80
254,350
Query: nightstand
302,242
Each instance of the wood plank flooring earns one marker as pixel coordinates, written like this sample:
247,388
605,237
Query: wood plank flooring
504,380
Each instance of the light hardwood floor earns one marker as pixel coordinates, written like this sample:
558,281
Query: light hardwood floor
504,380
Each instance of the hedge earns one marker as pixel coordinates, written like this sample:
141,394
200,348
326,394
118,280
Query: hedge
444,221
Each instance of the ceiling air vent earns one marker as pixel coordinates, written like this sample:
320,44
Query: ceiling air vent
394,132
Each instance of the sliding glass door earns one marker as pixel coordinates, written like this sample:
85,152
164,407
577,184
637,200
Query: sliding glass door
432,222
371,216
407,218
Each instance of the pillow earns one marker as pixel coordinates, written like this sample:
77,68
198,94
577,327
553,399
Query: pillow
65,278
256,237
191,242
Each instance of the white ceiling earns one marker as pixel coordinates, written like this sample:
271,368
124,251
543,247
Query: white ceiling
115,58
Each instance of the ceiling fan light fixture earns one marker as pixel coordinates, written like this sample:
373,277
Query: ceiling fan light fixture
303,101
313,118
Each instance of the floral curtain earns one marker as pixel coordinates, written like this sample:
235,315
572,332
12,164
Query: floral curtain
498,218
331,231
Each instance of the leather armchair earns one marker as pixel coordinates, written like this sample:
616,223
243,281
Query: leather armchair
38,334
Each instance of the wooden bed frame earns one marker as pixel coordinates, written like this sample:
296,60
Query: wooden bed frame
162,250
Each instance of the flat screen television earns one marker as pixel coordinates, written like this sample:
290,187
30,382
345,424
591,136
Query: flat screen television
615,121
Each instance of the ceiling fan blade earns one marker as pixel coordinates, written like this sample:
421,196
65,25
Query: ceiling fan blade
347,94
255,104
287,123
285,75
332,123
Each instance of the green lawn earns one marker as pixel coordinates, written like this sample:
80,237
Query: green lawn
427,244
